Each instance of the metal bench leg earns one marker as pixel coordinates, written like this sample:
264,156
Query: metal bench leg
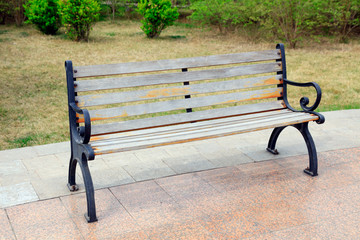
313,162
273,138
89,187
72,175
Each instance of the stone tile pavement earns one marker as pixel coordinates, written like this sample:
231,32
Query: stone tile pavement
212,189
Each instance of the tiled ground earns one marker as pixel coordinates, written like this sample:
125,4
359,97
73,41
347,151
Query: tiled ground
263,200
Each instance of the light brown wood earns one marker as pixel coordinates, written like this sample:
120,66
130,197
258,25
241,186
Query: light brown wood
185,117
201,134
178,104
178,77
162,65
157,93
182,128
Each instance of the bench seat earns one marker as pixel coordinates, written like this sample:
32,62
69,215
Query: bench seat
187,132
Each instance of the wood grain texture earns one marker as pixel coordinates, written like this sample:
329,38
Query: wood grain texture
162,65
179,104
178,77
185,117
201,133
157,93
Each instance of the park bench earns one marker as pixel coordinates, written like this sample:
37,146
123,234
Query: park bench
157,103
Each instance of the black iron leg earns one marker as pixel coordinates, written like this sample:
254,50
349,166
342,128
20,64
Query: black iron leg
273,138
89,187
313,162
72,174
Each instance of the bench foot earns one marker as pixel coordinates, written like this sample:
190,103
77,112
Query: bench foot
273,151
73,188
307,171
91,218
273,138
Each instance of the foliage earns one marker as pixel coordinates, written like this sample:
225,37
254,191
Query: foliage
158,14
289,20
338,17
227,15
18,8
5,10
44,14
78,16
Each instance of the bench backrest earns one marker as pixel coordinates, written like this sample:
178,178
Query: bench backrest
166,92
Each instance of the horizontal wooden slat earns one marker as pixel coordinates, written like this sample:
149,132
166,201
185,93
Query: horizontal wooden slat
166,78
202,133
185,117
177,104
193,128
165,130
130,96
161,65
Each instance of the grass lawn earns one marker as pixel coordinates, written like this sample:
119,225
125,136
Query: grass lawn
33,106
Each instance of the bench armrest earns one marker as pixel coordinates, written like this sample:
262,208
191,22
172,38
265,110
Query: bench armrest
85,132
304,101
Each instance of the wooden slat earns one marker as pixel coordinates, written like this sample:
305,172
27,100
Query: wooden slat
193,128
177,104
182,128
219,131
185,117
130,96
162,65
179,77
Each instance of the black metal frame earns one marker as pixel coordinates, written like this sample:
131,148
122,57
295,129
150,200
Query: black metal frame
302,127
81,152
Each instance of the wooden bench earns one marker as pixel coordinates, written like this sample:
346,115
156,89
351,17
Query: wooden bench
163,102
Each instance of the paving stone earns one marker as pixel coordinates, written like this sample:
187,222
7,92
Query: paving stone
17,178
183,150
75,203
221,156
12,167
5,229
17,154
192,163
150,154
46,166
50,187
184,159
139,169
43,220
17,194
52,148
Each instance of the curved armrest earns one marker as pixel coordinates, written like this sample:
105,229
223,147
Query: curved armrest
304,101
85,132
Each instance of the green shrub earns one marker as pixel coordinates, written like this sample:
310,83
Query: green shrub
158,14
44,14
290,20
5,10
227,15
78,16
338,17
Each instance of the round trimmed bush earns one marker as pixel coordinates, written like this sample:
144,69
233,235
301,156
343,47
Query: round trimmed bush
158,14
78,16
44,14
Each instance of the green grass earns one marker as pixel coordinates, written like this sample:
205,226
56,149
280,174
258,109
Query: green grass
33,106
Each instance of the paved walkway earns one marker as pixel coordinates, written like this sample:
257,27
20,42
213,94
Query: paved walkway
213,189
